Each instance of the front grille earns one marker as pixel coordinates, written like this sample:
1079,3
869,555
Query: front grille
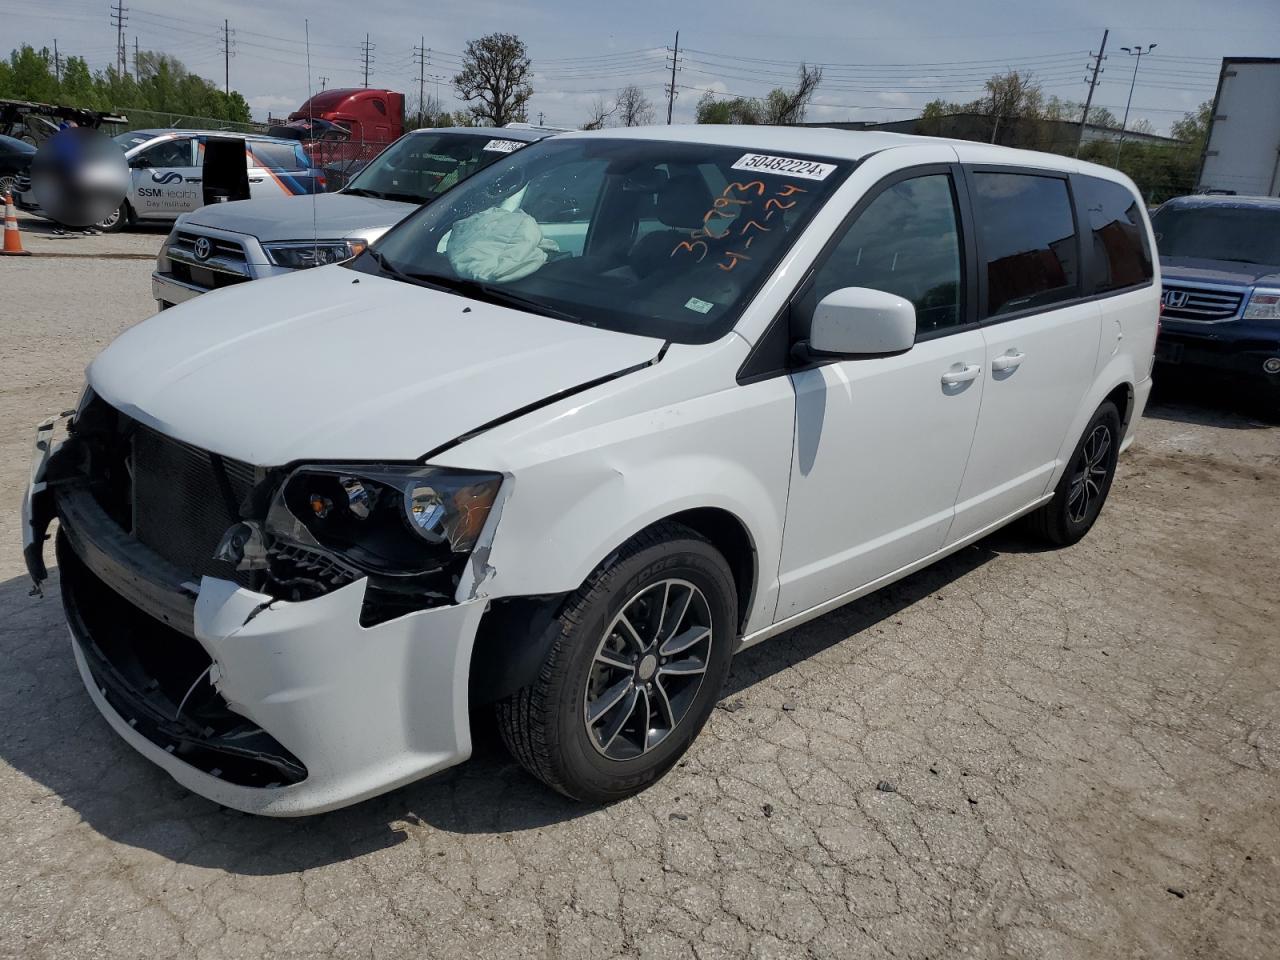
184,499
1201,304
224,264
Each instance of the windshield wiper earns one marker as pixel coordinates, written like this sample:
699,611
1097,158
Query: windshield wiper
503,298
392,270
364,192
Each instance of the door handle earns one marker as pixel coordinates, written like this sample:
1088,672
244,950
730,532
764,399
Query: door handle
256,179
966,374
1008,361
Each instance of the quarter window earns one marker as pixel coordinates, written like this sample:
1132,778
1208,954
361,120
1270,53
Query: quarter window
1121,253
1028,240
906,242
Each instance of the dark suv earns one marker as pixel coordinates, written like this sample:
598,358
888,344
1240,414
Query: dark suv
1220,261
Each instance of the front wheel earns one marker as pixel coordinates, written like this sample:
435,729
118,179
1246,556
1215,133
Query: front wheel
639,655
116,220
1083,489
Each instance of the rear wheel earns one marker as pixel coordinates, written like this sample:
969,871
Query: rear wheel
8,183
639,655
1083,489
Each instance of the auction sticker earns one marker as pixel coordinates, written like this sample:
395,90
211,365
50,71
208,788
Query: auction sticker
504,146
787,166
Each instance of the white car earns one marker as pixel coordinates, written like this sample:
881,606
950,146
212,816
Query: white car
568,456
166,173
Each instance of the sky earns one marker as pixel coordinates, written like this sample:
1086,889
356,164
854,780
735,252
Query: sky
881,61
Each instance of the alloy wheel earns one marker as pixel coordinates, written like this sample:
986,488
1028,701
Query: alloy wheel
1089,473
647,669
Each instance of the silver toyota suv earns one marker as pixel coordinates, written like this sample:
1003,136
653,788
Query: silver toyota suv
228,243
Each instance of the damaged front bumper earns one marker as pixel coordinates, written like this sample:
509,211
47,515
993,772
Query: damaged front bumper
290,707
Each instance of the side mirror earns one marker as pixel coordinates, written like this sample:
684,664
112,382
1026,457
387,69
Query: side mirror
858,321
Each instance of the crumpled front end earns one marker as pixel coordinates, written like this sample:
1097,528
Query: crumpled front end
269,698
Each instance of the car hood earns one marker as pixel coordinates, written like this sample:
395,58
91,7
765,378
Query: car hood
337,365
1192,269
336,215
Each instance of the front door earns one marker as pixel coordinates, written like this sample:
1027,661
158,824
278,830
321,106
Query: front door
1041,342
881,443
166,180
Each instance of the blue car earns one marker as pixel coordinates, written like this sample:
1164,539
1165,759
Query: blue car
1220,261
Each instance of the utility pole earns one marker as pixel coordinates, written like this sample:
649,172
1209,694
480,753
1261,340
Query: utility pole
368,49
118,19
671,90
420,54
226,57
539,118
323,82
57,61
137,69
1093,82
1139,53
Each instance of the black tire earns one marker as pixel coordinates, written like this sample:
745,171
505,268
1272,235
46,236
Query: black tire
117,221
545,725
1064,520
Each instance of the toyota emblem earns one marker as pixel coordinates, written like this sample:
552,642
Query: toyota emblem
203,248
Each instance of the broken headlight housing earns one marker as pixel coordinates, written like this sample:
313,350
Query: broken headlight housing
301,254
396,521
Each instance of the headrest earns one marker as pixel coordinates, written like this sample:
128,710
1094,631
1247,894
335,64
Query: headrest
684,201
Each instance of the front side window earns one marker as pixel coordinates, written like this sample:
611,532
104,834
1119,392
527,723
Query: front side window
656,238
175,152
1121,253
907,241
419,167
1028,240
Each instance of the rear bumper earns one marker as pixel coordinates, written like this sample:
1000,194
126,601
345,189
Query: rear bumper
349,711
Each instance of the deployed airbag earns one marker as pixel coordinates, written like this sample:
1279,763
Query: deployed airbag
498,246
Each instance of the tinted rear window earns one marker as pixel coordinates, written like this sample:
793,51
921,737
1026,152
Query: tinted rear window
1028,240
1121,253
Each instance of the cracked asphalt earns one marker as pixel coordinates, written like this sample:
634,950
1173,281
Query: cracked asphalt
1012,754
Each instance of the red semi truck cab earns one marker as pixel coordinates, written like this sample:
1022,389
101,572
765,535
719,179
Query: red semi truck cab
349,126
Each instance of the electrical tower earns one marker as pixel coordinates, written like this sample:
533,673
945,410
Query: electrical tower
324,82
366,50
57,61
1094,70
420,53
228,51
671,90
119,17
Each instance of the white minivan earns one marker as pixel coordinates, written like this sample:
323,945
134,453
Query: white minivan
566,440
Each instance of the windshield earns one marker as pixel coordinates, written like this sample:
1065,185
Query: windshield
132,139
1242,234
655,238
421,166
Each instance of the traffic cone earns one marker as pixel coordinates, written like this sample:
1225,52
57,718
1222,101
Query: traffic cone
12,239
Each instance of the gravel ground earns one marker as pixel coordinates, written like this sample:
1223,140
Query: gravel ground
1015,753
141,241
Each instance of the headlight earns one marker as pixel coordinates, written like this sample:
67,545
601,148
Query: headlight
394,520
300,254
1263,305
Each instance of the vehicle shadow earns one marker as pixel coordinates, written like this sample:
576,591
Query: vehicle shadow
1181,400
51,733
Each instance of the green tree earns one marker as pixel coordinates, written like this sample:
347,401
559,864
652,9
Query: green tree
1194,126
781,107
495,78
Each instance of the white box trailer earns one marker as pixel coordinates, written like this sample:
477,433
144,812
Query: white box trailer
1242,150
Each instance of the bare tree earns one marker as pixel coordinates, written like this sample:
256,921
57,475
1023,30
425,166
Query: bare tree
495,78
633,107
786,107
600,115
